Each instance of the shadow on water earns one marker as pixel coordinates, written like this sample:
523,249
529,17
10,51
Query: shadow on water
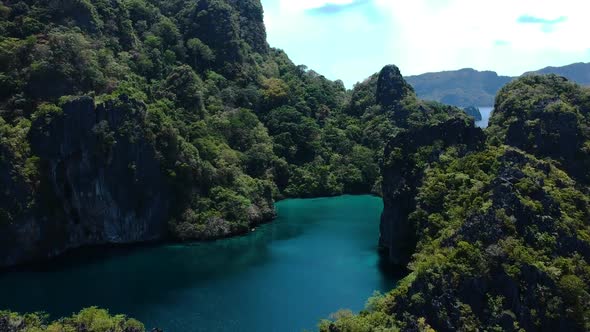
102,274
80,257
123,277
391,272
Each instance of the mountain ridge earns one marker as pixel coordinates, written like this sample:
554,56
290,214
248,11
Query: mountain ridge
470,87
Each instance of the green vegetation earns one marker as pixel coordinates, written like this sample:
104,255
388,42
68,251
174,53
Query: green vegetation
547,116
234,123
88,320
489,223
502,234
496,234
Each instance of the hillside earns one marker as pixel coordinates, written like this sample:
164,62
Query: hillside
130,121
496,235
469,87
577,72
147,120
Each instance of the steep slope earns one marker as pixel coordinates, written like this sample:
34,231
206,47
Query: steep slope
473,112
136,120
547,116
423,131
104,177
501,234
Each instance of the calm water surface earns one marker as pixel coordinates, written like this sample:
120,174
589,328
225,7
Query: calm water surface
317,257
486,113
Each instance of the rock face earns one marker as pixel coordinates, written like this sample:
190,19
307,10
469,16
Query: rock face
499,236
473,112
487,243
391,86
547,116
104,183
251,15
407,154
424,131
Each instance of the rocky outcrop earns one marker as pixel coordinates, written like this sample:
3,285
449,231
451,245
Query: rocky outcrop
473,112
423,132
252,30
102,179
109,175
525,204
407,156
391,87
229,28
498,236
547,116
502,245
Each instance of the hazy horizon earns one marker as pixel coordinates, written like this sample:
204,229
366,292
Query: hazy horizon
352,39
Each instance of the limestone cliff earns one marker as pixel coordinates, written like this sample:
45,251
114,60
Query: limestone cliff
481,258
103,182
408,155
173,144
424,131
497,231
547,116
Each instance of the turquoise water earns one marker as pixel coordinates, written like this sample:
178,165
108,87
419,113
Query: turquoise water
317,257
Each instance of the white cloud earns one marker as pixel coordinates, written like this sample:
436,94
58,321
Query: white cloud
429,35
464,33
301,5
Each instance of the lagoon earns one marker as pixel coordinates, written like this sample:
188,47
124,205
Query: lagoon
318,256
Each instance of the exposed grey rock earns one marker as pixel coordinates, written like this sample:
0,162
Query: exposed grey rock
402,177
391,86
104,183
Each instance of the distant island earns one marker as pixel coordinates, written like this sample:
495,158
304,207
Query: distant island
468,86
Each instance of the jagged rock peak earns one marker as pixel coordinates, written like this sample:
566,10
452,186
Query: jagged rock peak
391,86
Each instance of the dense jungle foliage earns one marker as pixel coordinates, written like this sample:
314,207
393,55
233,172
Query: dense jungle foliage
501,234
502,231
233,121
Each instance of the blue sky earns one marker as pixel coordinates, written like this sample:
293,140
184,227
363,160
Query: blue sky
351,39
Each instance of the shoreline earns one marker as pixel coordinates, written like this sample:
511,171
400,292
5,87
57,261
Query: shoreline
71,254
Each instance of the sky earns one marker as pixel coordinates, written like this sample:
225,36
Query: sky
352,39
